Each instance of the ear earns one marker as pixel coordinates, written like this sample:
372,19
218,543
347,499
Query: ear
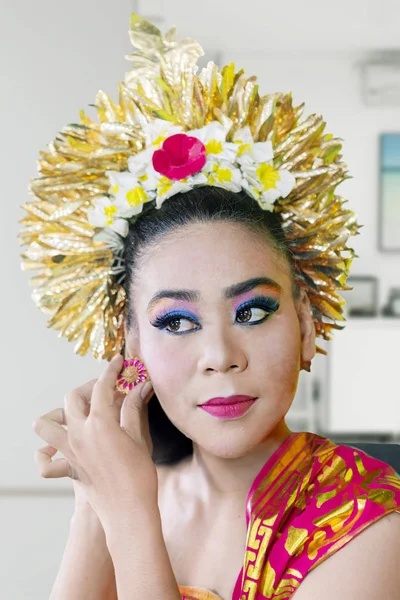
307,327
132,345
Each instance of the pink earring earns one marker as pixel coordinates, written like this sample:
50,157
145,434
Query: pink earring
133,373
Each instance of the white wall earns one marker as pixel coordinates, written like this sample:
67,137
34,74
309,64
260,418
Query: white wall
54,58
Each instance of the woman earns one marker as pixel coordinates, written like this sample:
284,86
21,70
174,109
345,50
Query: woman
213,295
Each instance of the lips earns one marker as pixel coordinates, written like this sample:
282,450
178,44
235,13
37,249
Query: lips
228,411
228,400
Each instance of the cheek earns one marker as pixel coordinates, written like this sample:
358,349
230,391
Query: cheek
167,370
278,358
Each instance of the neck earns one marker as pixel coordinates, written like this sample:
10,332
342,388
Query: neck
218,479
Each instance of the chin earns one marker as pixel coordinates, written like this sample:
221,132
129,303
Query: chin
231,444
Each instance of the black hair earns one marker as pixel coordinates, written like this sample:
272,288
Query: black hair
200,205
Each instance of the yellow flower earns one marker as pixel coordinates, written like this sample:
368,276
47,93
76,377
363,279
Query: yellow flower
268,176
159,140
243,147
105,214
249,151
164,185
157,131
214,147
219,174
136,196
110,211
167,188
213,136
273,183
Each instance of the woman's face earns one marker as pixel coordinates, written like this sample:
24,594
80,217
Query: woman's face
219,343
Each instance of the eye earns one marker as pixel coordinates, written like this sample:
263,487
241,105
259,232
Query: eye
171,323
260,307
248,313
255,307
174,324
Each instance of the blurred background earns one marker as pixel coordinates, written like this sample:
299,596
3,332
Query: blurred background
343,60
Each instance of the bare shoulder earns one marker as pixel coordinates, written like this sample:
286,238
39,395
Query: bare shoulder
366,567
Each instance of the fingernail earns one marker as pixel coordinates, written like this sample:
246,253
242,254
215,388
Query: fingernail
146,389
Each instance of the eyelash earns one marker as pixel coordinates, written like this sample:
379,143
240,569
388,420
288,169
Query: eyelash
267,304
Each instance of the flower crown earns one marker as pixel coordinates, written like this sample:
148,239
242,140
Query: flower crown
172,130
174,161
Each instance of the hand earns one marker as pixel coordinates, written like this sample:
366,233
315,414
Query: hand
107,443
60,467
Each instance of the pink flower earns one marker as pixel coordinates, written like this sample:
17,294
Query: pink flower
134,372
180,156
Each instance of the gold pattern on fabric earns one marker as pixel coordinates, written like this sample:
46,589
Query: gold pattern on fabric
80,281
191,593
311,471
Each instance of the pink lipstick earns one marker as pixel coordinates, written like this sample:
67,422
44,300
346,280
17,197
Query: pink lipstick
232,407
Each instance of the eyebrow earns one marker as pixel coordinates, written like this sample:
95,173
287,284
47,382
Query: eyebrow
230,292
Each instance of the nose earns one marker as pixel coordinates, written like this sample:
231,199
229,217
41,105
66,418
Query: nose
222,352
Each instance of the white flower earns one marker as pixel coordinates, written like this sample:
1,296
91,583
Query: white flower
157,131
141,167
272,183
111,239
251,189
105,214
213,137
266,205
223,174
197,179
167,187
129,193
249,151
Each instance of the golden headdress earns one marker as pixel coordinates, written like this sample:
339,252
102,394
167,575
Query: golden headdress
87,167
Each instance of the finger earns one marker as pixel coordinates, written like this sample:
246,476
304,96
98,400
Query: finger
57,415
49,468
113,369
106,401
78,402
134,411
50,428
86,392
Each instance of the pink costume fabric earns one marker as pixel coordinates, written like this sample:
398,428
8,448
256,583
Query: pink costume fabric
309,500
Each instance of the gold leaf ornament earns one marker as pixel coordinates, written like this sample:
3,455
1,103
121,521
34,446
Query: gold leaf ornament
80,266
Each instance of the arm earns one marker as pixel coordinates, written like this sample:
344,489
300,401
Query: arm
137,547
86,571
366,567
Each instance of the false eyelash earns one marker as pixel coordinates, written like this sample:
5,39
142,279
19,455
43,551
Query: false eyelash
268,304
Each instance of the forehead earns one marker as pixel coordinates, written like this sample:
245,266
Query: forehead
206,257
